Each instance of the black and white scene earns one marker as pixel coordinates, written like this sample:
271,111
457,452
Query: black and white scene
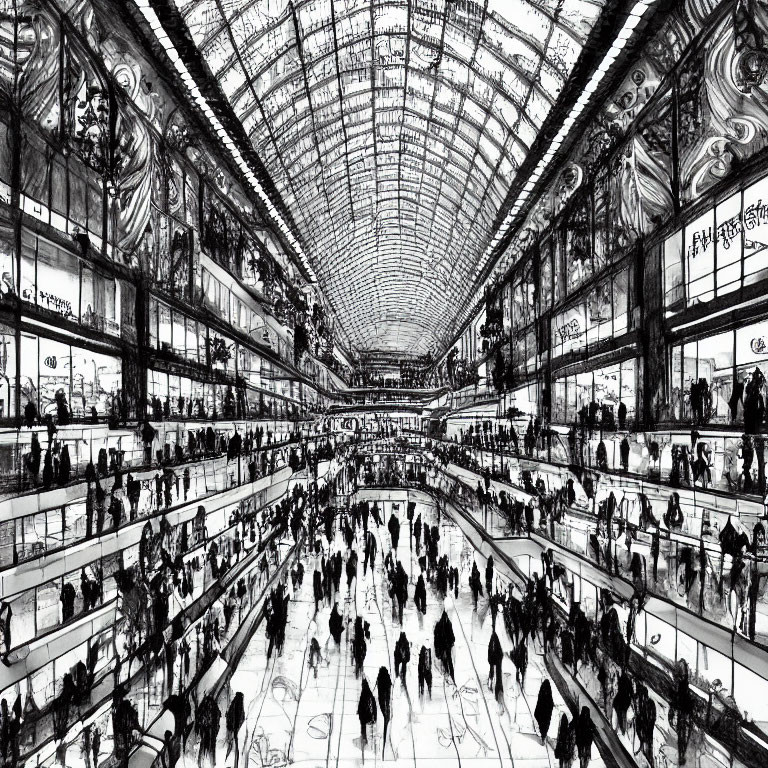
383,383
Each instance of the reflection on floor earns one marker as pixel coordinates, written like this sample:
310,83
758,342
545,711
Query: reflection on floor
294,718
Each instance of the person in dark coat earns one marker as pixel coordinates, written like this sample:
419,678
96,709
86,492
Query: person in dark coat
420,595
544,706
444,640
315,656
417,533
384,686
394,529
495,656
335,624
584,737
401,589
207,723
235,720
425,670
366,712
623,700
520,660
564,747
370,551
351,568
402,656
317,588
359,646
489,575
474,584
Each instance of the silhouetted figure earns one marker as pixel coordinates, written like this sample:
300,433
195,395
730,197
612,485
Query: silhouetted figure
317,588
207,723
420,595
444,640
370,551
351,568
474,584
495,656
315,657
384,686
401,589
622,700
584,737
564,747
366,712
520,660
359,646
335,624
402,656
394,530
544,706
235,720
425,670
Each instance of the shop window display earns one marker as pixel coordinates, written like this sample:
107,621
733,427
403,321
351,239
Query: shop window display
66,381
719,252
720,379
601,316
612,388
7,372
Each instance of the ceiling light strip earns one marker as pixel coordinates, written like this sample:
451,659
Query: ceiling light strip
622,38
162,37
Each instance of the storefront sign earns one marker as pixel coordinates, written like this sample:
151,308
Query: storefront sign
55,302
729,230
571,330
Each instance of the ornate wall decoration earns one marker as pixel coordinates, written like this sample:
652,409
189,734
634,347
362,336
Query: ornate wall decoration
723,103
135,157
38,53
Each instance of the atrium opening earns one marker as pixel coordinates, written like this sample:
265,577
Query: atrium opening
383,382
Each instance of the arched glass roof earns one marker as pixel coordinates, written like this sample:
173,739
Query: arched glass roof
392,130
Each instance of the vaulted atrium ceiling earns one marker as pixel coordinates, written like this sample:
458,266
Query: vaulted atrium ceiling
393,130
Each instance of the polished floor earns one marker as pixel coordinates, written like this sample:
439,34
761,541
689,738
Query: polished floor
294,718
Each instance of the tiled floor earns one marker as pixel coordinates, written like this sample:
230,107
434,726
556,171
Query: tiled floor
293,718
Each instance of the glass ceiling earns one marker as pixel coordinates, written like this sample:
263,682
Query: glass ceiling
392,129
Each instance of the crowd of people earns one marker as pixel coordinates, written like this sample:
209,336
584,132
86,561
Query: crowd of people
345,544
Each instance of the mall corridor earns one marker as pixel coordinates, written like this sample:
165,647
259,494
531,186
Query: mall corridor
478,286
293,715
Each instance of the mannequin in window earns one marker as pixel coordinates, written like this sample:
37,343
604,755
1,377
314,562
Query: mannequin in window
647,518
673,517
602,457
754,403
624,454
701,467
622,413
700,398
748,456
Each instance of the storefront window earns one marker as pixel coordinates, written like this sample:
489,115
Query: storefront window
54,376
609,387
164,327
179,334
99,302
545,276
603,316
719,252
755,232
7,372
96,379
193,342
713,366
7,261
153,309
